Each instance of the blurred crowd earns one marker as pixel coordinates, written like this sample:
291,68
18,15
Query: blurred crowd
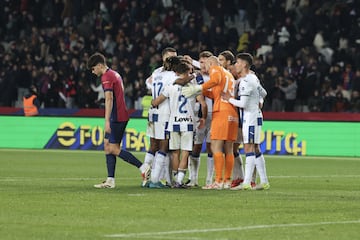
307,52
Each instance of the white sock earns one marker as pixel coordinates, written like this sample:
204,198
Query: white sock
153,163
261,168
249,167
159,163
149,158
180,175
190,168
143,167
162,177
210,170
166,170
110,179
195,165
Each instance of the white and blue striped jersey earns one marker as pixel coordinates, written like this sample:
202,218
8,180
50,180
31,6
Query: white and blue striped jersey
161,79
251,88
250,92
181,109
148,84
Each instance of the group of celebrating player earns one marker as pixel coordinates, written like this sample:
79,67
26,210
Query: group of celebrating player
193,101
198,100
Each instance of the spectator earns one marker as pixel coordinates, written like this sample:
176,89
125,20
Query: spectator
154,19
100,100
57,34
23,80
347,77
308,84
328,100
271,86
356,82
85,98
109,44
335,76
129,93
341,104
70,92
289,89
284,36
315,102
277,97
355,102
31,103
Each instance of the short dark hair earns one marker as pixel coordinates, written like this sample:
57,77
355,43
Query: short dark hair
95,59
171,62
246,57
205,54
229,56
182,67
166,50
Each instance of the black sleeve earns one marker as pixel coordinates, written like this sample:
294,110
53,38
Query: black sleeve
36,102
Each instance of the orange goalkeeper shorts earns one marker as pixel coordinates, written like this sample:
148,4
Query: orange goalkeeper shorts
224,126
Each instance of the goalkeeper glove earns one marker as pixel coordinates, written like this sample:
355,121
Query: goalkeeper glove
190,90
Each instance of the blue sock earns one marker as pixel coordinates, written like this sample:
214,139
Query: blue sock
195,155
128,157
110,163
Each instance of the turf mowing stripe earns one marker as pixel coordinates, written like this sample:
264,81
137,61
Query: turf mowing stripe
146,234
345,158
52,151
15,179
315,176
19,179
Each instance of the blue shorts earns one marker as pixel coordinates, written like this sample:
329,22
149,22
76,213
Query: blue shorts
117,132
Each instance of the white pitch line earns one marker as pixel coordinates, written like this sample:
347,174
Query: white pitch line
317,176
149,234
179,238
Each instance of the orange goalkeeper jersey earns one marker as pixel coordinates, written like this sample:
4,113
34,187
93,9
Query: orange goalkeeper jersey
220,81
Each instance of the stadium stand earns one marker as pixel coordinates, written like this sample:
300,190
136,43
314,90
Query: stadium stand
46,43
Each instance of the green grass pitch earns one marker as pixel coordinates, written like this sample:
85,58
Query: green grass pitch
49,194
